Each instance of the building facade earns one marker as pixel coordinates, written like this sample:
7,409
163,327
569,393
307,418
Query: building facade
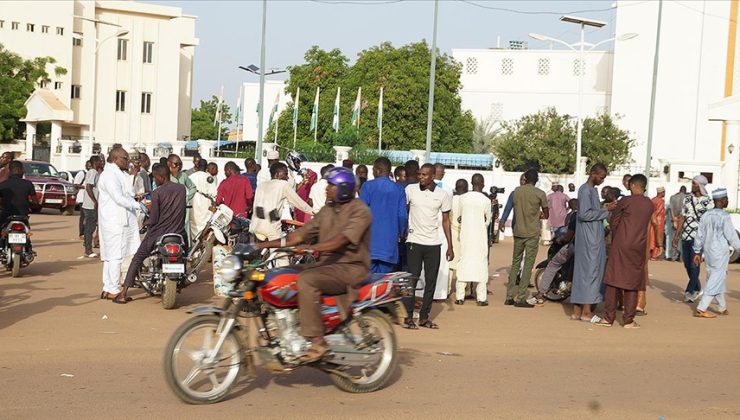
274,91
129,71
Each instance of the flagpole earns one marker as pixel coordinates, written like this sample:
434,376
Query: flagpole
218,114
295,120
316,126
380,120
359,109
276,129
239,111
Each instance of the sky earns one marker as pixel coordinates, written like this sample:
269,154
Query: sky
229,31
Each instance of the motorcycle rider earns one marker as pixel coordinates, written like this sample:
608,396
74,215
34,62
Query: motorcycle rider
14,193
341,233
166,215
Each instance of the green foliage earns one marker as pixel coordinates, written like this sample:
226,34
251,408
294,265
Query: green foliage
549,139
202,126
404,74
18,79
484,135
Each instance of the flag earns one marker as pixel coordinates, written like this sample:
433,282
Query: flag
217,116
380,109
274,109
295,108
315,110
356,108
335,119
238,107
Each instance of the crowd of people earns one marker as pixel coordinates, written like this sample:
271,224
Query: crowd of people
439,232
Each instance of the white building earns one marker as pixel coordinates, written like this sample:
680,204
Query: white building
504,84
274,90
129,72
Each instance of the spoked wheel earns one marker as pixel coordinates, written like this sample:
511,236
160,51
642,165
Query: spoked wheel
373,376
193,372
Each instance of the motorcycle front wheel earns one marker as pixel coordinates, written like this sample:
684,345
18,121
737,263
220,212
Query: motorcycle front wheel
371,377
192,372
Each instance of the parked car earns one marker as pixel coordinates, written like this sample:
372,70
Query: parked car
52,190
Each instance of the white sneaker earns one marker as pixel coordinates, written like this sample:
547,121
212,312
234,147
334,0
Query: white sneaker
91,255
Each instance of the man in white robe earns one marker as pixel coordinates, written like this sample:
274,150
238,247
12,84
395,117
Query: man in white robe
714,237
461,187
269,201
117,224
474,220
205,186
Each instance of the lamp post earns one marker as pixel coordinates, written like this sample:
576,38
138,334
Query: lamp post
583,22
432,76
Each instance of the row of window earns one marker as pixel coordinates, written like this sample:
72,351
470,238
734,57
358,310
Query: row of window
146,102
31,27
543,66
148,54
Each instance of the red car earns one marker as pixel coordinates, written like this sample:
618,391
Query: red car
51,190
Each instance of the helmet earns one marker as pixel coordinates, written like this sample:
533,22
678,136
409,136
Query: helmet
294,159
345,182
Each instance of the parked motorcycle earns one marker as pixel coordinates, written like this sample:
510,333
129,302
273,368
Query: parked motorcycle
560,287
163,272
205,355
16,246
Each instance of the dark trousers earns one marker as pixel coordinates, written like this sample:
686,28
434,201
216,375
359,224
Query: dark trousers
524,249
611,300
138,259
687,252
429,257
91,223
82,222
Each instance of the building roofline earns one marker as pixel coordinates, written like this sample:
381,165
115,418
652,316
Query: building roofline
139,8
533,51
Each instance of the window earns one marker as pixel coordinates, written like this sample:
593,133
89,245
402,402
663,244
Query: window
507,66
471,65
146,103
148,50
43,83
76,91
60,31
44,29
57,85
579,67
121,100
30,27
122,49
543,66
14,25
77,39
497,111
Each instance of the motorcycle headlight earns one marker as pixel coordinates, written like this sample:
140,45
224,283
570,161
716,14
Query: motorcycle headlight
230,268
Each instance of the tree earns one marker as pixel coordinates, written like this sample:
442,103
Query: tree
549,139
202,120
484,135
404,74
18,79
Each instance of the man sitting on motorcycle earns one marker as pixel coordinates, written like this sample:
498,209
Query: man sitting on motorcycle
15,193
341,233
166,215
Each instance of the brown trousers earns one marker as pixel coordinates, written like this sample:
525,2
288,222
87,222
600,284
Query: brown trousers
317,280
611,299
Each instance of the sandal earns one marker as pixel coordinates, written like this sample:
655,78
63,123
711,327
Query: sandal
602,323
428,324
704,314
640,312
117,299
315,353
409,324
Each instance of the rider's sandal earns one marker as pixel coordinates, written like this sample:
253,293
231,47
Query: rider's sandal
429,324
118,299
409,324
315,353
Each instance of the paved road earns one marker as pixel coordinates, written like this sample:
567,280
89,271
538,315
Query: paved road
507,363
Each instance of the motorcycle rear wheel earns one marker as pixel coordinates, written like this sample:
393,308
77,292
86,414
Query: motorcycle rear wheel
169,293
369,381
16,270
199,382
201,253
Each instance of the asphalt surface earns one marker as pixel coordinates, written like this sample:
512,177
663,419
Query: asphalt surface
67,354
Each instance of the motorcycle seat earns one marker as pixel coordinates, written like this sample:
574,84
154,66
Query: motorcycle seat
18,218
171,238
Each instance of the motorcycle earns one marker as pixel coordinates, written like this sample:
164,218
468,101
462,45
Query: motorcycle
163,272
560,287
16,250
205,355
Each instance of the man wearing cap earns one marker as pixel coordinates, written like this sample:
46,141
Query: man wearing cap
656,233
273,156
714,237
676,210
695,206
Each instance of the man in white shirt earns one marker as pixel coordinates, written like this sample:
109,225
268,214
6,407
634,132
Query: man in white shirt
426,201
318,192
79,182
273,156
117,224
268,203
206,189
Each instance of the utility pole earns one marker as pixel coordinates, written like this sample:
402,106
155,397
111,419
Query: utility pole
432,75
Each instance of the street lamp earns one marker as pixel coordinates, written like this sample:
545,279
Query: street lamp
581,70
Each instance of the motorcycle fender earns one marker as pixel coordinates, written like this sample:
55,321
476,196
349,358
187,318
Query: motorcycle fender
207,310
219,236
543,264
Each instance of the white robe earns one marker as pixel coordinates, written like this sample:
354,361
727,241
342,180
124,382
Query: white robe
272,195
714,238
455,230
201,205
117,224
476,216
318,195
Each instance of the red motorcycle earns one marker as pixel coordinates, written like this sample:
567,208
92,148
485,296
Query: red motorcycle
258,324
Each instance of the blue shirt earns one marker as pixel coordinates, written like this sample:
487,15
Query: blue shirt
387,203
252,177
507,209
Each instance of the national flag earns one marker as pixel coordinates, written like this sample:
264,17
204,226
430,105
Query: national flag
315,110
380,109
335,118
356,108
295,107
238,107
274,109
217,116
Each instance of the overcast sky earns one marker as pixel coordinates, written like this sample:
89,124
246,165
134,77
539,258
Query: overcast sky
229,31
